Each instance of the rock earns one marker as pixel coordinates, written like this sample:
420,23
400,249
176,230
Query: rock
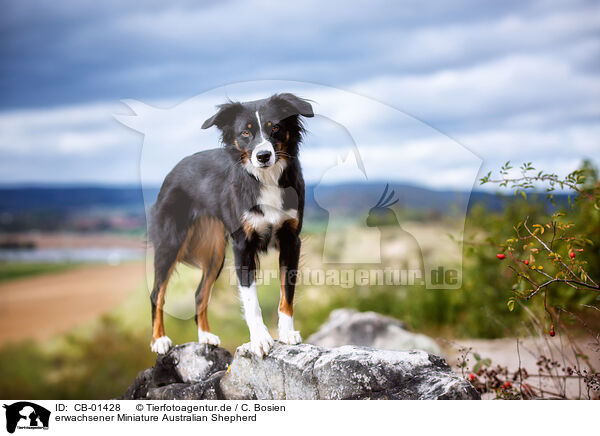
308,372
188,371
194,362
139,388
208,389
370,329
299,372
286,372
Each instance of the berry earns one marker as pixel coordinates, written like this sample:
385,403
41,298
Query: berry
572,255
552,332
500,256
526,262
507,385
471,376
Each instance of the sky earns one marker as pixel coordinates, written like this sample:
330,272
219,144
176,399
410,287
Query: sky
434,94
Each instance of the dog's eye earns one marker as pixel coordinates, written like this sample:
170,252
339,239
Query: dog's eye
245,133
275,128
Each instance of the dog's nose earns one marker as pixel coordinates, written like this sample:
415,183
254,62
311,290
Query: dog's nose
263,156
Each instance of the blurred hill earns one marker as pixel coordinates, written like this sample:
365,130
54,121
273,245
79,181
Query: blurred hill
73,208
94,208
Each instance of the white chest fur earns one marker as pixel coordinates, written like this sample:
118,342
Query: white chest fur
270,201
273,215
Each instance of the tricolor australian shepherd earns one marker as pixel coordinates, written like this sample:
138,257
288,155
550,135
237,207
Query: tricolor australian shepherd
250,191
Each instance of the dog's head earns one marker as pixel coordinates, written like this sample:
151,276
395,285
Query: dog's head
263,132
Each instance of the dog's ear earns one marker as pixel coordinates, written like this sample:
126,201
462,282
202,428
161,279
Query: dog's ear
294,105
224,116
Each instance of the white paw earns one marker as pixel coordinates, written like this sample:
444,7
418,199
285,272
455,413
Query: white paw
260,341
208,338
161,345
290,337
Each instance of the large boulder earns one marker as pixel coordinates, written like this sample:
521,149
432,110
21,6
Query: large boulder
299,372
370,329
308,372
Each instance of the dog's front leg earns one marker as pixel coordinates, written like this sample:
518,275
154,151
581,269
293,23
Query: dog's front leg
245,264
289,255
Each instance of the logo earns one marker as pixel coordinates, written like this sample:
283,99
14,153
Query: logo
26,415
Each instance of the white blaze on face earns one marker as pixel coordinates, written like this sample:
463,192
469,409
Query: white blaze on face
263,146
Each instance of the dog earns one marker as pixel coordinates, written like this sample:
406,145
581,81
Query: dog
249,191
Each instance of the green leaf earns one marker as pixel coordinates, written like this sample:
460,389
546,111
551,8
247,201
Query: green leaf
481,363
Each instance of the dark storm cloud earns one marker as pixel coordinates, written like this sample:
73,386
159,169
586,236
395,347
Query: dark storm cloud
73,51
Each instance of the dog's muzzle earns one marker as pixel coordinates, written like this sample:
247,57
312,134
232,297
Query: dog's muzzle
263,155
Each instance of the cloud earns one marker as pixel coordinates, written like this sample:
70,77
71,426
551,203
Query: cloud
511,81
495,91
78,51
84,143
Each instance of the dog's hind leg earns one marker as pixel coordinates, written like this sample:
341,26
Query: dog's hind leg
210,248
166,256
160,342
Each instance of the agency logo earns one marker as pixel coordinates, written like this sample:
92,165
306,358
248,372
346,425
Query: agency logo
26,415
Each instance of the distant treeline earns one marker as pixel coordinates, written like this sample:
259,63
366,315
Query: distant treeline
97,208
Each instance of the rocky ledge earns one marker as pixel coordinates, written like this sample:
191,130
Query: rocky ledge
299,372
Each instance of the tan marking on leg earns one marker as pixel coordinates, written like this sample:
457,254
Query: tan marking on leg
210,275
158,327
206,249
285,306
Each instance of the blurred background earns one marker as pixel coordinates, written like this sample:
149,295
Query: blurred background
99,100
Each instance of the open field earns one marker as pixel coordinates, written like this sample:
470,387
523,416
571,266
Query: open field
43,240
46,305
13,270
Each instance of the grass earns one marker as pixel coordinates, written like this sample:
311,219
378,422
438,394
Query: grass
14,270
